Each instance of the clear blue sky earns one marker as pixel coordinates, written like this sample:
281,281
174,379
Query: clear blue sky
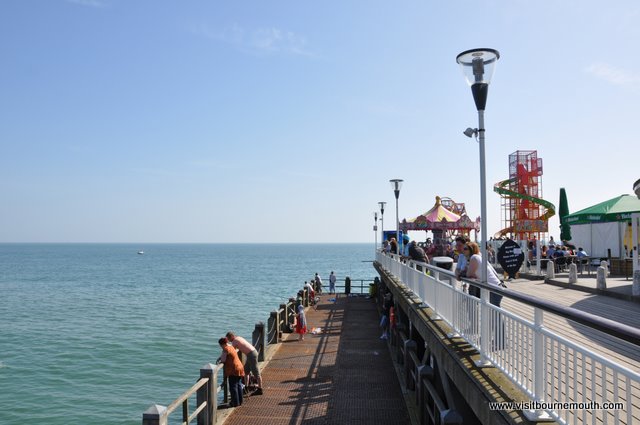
282,121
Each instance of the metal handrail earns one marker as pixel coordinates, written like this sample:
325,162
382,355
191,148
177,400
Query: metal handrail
619,330
534,358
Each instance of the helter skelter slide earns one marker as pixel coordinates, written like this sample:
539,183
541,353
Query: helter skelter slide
525,214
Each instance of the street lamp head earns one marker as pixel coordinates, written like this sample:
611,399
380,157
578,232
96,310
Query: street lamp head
382,205
478,66
396,184
470,132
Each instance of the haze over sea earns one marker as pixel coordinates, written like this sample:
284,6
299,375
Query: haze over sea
95,333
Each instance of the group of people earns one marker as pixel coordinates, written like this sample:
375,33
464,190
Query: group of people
238,375
553,251
411,250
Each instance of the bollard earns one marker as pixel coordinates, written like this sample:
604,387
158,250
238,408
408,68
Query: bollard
635,289
551,269
604,264
259,338
305,297
284,319
152,415
347,285
272,326
573,273
601,280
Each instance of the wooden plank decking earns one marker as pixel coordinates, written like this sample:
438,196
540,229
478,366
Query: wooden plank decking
344,375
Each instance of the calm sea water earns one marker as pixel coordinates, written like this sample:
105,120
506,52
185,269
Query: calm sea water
95,333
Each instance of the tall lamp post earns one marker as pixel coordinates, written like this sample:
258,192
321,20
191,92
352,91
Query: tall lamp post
477,66
396,184
382,205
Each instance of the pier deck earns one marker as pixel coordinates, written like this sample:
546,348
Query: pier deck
343,375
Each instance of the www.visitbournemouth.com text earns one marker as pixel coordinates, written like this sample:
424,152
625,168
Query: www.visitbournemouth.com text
541,405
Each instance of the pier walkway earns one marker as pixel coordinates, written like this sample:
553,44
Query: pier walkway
343,375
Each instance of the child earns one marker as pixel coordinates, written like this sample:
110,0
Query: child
301,323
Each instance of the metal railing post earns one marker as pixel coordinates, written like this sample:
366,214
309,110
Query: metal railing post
207,394
485,329
539,368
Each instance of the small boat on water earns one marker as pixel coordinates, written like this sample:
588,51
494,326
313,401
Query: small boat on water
140,252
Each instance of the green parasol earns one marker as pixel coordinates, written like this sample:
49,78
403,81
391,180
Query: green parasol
563,211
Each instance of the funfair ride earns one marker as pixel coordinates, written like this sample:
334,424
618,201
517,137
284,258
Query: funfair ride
525,214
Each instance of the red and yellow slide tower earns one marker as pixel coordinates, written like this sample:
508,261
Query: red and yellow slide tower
525,214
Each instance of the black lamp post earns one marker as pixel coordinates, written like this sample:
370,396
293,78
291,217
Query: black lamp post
375,230
382,205
396,184
477,66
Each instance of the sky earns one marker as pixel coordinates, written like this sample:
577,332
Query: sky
283,121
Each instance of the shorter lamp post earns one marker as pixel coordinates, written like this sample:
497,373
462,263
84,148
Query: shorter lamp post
375,230
396,184
382,205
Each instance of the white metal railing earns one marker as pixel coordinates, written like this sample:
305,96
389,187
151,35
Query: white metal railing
545,365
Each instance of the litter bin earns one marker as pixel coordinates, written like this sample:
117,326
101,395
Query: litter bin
372,290
347,285
442,262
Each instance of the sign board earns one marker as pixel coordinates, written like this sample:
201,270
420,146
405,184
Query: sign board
388,234
510,257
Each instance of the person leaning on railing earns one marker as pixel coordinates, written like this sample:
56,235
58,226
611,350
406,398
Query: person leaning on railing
251,365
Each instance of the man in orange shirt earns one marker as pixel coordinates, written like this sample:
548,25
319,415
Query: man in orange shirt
233,370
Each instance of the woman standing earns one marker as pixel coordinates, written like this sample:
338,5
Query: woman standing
474,271
301,323
233,370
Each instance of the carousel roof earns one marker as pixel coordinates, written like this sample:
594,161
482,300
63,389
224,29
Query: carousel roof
438,217
437,213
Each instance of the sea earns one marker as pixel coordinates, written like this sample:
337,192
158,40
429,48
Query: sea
96,333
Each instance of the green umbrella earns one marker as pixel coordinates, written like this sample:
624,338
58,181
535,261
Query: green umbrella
563,211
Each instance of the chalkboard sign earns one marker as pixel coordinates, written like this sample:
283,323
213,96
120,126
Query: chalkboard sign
510,257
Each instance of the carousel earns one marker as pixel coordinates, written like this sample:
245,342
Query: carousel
446,220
